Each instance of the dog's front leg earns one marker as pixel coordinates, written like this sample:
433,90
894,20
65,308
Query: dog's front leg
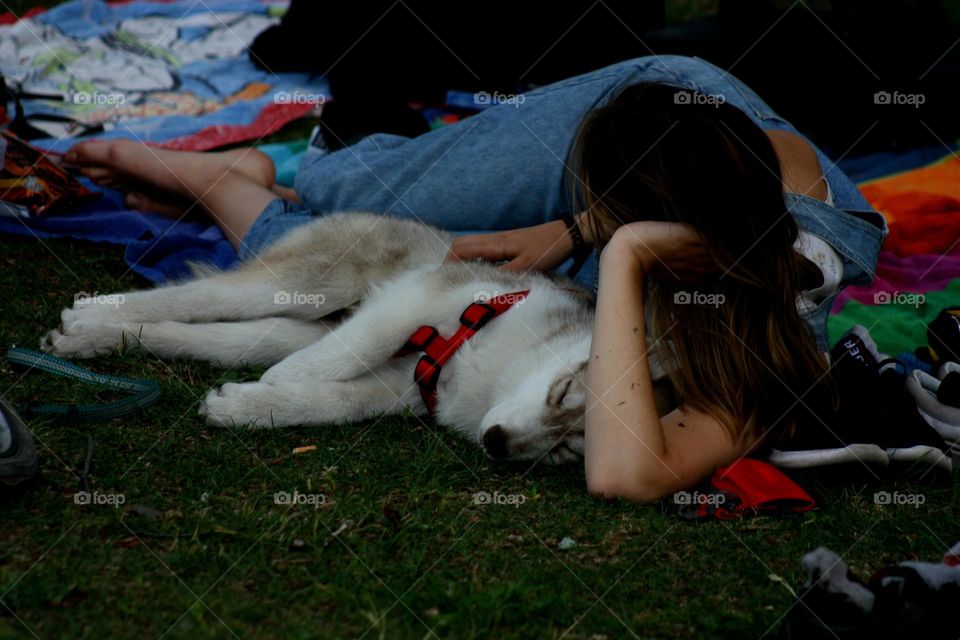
377,331
290,400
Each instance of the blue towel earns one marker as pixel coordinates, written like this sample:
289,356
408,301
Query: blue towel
877,165
156,248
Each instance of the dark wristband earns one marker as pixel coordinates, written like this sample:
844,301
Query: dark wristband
581,250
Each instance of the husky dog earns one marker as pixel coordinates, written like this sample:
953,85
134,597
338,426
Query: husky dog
328,307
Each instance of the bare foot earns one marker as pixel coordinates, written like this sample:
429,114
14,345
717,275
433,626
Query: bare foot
162,181
167,205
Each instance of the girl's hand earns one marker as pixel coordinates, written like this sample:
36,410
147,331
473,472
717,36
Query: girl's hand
666,250
539,248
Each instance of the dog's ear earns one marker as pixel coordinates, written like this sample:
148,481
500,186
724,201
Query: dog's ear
568,391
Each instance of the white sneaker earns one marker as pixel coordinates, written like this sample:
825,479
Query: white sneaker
944,418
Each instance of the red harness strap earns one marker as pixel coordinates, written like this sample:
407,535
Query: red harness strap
438,350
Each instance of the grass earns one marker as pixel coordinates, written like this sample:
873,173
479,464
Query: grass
199,549
397,549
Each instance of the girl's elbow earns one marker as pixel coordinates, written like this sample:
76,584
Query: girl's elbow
633,489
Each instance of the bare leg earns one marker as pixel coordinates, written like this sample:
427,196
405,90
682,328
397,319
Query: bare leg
94,161
221,184
286,193
235,202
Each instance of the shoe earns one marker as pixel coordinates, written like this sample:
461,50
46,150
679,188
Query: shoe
912,443
877,422
833,603
830,438
919,599
900,602
949,391
18,454
926,391
948,368
943,336
877,393
826,449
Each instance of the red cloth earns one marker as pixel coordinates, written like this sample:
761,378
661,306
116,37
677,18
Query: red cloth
11,18
271,119
922,208
748,486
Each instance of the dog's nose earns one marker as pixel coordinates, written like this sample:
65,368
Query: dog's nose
495,442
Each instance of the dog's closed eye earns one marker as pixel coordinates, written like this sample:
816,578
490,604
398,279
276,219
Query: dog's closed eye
568,391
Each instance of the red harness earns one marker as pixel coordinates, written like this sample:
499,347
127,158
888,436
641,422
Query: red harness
438,350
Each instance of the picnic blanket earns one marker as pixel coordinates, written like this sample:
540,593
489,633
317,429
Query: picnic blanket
918,272
175,74
172,73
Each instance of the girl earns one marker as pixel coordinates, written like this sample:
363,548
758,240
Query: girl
721,234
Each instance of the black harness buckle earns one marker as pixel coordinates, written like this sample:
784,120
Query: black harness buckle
477,315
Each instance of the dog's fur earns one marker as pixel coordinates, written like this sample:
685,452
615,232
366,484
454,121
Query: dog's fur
516,387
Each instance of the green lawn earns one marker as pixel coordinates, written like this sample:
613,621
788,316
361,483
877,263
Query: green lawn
397,549
199,548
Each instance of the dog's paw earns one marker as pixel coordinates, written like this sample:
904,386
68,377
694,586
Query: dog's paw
238,405
563,454
76,338
88,309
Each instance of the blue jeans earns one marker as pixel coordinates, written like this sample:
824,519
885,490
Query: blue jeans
506,168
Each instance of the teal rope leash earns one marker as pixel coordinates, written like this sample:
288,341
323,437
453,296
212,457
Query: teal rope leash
141,392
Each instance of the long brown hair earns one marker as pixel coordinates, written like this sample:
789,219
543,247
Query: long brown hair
733,342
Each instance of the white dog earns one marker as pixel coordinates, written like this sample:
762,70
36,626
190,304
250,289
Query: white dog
516,387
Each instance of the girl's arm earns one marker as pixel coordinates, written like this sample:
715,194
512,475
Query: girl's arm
632,452
539,248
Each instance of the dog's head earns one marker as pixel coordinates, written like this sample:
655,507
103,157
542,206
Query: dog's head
542,419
